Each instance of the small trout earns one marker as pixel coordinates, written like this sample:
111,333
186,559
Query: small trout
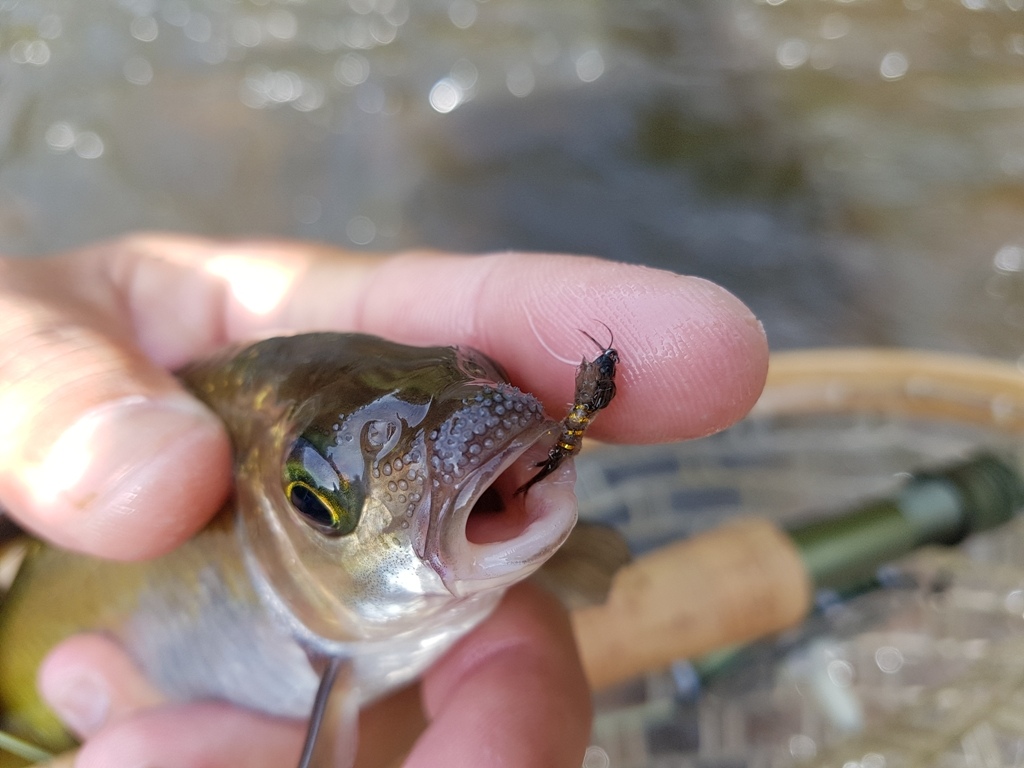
374,522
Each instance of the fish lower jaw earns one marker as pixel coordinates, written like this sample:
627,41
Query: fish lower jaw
505,536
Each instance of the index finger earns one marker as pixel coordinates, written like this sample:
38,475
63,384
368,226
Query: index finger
693,357
103,452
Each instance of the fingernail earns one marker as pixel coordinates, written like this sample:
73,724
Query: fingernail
80,699
103,465
98,453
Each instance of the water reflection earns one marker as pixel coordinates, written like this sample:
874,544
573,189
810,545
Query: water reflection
63,137
35,52
352,69
848,168
138,71
446,95
590,66
361,230
894,65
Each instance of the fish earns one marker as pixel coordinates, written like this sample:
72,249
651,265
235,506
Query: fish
373,523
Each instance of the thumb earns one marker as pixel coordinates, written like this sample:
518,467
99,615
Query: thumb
100,449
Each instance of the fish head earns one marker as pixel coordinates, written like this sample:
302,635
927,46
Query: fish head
384,502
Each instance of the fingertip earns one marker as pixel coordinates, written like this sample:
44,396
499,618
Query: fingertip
128,479
692,357
98,692
514,687
203,735
704,357
100,448
90,682
527,619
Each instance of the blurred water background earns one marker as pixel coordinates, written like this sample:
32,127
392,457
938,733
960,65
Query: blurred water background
852,169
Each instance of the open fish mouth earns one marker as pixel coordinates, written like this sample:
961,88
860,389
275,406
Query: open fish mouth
490,536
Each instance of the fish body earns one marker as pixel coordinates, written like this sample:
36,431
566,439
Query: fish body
357,463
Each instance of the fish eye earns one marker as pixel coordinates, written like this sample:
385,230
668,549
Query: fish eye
325,500
317,510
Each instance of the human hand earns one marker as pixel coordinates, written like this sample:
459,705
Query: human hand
102,452
511,693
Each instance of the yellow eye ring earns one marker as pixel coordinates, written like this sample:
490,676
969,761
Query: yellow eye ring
326,500
314,507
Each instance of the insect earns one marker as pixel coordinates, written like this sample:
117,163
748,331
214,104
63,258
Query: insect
595,388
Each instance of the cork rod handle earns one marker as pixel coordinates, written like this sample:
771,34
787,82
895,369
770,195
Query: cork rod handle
730,585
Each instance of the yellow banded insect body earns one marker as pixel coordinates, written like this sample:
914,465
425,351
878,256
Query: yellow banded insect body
595,388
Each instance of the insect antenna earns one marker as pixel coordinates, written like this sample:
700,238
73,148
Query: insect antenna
598,344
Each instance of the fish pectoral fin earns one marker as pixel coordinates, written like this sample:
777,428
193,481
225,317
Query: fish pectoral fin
333,732
580,573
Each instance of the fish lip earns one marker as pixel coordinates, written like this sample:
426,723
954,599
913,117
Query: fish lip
547,514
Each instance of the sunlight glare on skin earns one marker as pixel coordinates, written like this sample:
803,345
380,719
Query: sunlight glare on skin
258,284
70,458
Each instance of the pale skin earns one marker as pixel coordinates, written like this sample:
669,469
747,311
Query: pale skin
102,452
